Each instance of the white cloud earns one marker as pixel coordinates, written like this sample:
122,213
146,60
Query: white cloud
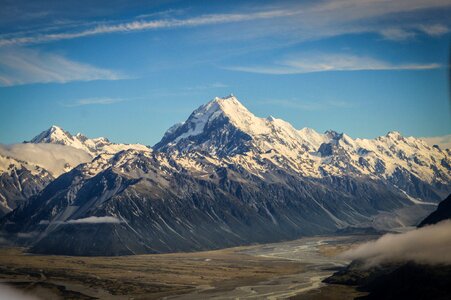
428,245
94,101
412,31
53,158
397,34
329,62
23,66
434,30
87,220
95,220
443,141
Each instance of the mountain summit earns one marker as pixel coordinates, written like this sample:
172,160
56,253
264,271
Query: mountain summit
219,126
226,127
55,135
95,146
25,169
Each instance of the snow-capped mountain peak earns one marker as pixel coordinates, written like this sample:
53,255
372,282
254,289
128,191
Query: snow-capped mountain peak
225,123
223,127
394,136
94,147
212,125
54,135
333,135
231,108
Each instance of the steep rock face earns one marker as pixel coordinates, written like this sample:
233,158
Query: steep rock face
443,212
225,128
19,181
160,206
26,168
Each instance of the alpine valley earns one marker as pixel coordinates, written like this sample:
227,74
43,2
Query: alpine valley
222,178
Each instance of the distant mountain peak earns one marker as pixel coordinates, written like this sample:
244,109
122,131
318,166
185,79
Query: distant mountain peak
332,134
224,126
220,115
230,105
95,146
229,97
54,134
227,111
55,127
394,135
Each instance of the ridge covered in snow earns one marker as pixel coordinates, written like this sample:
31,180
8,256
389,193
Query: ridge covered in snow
225,128
94,146
19,180
26,168
261,134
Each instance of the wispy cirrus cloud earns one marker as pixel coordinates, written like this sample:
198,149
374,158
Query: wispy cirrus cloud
434,29
412,31
24,66
142,25
165,13
307,63
397,34
312,19
93,101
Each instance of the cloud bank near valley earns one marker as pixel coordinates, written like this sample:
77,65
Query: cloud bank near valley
427,245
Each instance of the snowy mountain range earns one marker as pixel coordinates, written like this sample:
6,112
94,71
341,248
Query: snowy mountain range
225,128
27,168
225,177
96,146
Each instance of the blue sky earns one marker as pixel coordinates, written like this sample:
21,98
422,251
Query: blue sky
128,71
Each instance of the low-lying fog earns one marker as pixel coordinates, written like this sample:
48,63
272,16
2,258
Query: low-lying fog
427,245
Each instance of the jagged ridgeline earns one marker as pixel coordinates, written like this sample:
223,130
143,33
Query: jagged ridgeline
225,177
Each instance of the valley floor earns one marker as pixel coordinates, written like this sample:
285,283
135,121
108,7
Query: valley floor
271,271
